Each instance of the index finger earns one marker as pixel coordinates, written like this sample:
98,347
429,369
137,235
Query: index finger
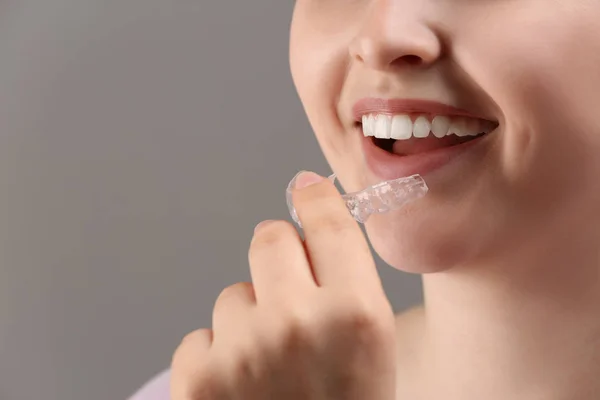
336,246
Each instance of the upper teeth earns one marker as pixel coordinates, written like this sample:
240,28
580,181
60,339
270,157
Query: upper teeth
403,127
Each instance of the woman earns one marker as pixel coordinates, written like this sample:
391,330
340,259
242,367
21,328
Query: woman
494,104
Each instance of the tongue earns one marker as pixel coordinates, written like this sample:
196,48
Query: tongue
430,143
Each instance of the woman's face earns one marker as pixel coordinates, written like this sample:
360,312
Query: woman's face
525,73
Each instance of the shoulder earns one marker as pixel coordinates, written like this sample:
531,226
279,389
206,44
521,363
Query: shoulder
158,388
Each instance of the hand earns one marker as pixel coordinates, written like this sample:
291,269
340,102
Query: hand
315,323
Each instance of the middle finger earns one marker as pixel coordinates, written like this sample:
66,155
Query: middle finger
278,262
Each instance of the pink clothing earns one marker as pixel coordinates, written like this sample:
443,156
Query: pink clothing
156,389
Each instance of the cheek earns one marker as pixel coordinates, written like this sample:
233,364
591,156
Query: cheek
318,62
313,58
542,70
321,34
318,70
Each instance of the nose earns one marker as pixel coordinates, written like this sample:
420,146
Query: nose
394,35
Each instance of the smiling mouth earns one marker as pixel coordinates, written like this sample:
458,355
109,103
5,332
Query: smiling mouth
412,133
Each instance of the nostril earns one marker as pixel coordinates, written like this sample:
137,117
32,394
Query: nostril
410,59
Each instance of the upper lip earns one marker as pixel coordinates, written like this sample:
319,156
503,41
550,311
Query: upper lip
372,105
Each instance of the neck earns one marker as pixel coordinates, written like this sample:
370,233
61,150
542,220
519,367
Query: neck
526,328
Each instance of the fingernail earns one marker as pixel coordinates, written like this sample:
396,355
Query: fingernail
262,225
305,179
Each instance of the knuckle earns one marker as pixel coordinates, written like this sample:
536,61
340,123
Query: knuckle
287,331
237,291
198,336
195,342
368,323
305,316
273,233
329,222
296,321
296,331
363,321
244,366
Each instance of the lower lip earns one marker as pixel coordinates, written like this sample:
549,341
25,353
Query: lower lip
388,166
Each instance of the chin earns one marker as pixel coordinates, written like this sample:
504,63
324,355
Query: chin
415,243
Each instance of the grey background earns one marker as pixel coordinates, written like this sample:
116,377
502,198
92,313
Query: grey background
140,141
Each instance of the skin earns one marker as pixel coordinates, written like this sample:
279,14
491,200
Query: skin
511,275
304,317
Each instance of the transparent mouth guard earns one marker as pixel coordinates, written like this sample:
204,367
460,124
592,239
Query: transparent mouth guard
377,199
